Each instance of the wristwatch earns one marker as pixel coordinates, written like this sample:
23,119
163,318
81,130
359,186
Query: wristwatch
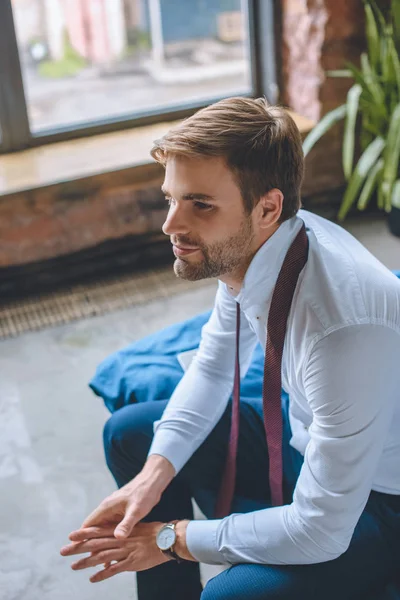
166,540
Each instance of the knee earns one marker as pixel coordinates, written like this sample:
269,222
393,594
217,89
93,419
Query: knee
217,589
113,433
259,582
128,432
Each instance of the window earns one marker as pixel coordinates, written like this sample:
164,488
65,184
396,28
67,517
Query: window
82,66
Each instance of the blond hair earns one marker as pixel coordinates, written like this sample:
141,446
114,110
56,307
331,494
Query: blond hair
260,143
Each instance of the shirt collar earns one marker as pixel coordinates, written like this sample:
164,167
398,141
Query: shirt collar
263,271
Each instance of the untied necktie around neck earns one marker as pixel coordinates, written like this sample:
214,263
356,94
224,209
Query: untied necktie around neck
281,302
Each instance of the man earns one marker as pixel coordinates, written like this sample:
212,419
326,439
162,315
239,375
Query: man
233,173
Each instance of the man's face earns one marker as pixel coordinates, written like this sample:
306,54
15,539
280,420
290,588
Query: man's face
211,234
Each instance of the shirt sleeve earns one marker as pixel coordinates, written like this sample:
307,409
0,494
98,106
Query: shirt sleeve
202,395
351,384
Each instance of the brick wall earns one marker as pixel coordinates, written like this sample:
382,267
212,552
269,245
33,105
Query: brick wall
65,218
320,35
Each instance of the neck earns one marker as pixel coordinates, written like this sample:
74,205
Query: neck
234,280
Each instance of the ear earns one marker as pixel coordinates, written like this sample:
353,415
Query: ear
269,208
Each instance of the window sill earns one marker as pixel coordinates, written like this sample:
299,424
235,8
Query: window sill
75,160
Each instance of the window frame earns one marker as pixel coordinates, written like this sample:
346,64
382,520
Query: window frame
14,120
14,124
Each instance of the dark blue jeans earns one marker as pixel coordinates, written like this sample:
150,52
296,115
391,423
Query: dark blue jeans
362,572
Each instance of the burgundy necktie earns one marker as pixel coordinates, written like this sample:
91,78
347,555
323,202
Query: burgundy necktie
282,297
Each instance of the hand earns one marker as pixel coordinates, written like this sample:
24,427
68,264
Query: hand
130,504
138,552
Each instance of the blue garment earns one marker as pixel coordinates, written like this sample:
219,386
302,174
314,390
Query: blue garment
149,369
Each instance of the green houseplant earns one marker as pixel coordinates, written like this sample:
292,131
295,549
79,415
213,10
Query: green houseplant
372,111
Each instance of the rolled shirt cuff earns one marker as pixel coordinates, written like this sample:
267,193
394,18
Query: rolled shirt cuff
201,541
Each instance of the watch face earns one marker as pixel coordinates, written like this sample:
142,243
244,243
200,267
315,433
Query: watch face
166,538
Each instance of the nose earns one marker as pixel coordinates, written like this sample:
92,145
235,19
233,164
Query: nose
176,223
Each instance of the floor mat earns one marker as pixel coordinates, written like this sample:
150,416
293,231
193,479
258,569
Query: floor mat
97,298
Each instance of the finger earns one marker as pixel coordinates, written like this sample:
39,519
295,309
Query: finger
132,518
89,533
106,557
90,546
104,513
114,569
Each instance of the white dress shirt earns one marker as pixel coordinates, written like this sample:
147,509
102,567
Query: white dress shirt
341,369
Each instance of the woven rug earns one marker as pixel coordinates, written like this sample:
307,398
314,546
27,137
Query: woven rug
97,298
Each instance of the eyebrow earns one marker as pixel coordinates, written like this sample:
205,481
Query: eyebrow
191,196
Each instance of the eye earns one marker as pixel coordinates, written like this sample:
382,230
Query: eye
169,200
203,206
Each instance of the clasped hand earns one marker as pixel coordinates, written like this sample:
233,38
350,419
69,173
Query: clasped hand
114,535
137,552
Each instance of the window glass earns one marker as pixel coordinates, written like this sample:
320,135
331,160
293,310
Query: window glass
88,60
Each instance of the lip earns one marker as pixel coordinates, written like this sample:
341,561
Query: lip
180,251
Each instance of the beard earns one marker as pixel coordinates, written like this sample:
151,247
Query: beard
231,255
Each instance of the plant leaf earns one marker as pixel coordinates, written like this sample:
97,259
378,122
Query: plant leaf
370,127
391,156
352,103
339,73
372,83
366,138
370,184
364,165
390,60
385,59
394,57
393,101
377,12
377,111
396,22
381,200
387,195
396,194
377,123
358,77
372,36
323,126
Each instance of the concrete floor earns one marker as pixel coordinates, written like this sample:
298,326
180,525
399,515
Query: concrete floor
52,471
